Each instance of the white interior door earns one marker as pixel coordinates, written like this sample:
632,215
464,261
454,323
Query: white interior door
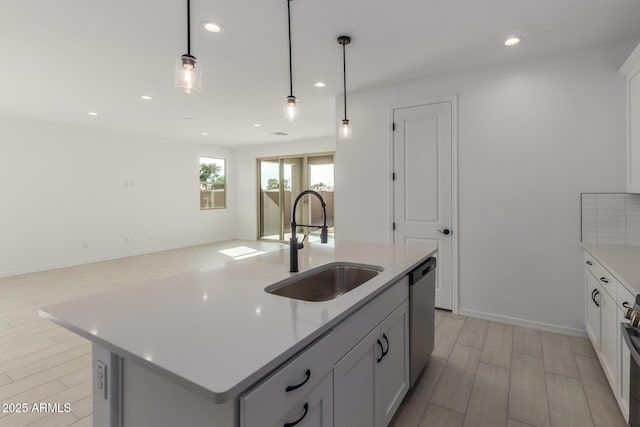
423,186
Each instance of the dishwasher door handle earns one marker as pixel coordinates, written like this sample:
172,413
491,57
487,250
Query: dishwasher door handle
422,270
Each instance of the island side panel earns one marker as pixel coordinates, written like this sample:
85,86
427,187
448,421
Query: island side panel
138,397
107,392
150,400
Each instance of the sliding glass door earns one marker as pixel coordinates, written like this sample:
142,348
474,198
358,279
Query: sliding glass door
280,181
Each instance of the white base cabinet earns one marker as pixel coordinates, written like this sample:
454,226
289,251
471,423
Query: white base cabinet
624,367
392,373
354,380
606,299
334,383
371,380
608,338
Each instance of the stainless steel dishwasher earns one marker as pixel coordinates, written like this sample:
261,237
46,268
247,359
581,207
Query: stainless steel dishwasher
422,300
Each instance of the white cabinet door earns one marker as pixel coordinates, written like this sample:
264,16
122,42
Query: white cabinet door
354,384
592,310
392,370
314,410
608,337
623,368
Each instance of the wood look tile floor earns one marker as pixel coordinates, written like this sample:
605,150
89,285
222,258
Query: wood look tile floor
487,374
481,373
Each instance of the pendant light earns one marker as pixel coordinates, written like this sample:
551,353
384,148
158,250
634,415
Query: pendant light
345,129
292,106
188,75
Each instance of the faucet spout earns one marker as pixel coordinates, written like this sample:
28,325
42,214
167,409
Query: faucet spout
293,242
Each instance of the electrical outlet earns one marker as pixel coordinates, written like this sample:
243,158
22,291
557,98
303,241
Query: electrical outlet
101,379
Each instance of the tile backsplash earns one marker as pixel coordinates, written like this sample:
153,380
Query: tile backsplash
611,218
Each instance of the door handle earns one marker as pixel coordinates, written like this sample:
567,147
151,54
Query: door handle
379,359
594,294
299,420
446,231
589,263
604,279
384,336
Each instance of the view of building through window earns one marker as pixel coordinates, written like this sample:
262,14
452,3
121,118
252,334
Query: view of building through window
212,183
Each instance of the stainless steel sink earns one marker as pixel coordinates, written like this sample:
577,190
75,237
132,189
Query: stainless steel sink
325,283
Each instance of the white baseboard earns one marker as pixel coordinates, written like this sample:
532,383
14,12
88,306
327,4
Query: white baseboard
547,327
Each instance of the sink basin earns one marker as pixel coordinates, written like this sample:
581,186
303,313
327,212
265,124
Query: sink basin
325,283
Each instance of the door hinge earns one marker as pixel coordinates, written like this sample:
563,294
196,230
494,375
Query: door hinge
394,225
393,126
393,176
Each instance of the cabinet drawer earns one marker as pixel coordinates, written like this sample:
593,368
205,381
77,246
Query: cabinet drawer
604,278
624,296
270,400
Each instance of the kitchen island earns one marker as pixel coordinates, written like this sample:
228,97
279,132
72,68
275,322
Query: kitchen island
200,348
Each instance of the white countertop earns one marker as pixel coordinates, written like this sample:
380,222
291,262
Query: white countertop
623,262
215,330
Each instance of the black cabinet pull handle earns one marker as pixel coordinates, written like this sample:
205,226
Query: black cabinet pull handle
593,297
381,352
604,279
589,263
387,341
446,231
297,386
625,304
296,422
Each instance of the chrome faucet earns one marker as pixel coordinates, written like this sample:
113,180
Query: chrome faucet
293,242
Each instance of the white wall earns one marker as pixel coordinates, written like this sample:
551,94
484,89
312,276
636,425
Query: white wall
532,136
67,198
246,179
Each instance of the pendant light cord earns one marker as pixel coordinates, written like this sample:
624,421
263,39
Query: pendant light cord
189,27
290,61
344,73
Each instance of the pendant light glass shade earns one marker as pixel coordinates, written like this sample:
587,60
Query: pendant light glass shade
188,74
291,109
345,130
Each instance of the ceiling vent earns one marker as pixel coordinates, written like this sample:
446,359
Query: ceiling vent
280,133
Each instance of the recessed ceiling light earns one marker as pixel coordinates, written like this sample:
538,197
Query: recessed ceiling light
92,113
257,125
146,97
212,27
204,134
512,41
320,84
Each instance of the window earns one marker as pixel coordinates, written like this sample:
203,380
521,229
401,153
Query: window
213,186
281,179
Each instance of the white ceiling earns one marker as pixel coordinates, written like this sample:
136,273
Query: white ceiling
63,58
